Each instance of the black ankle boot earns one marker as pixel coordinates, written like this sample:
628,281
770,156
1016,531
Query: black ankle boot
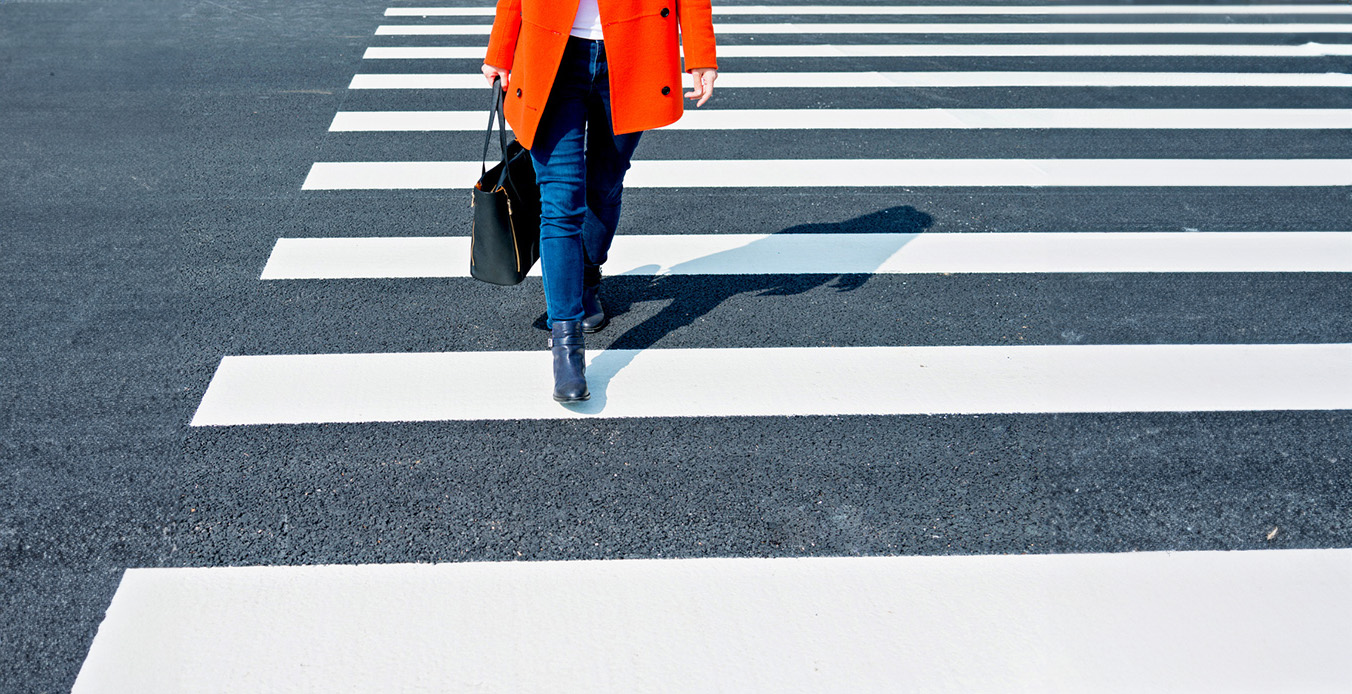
595,316
570,370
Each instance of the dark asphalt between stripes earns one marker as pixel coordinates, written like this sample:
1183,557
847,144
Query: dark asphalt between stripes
154,152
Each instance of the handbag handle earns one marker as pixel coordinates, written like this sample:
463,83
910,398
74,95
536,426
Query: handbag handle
496,112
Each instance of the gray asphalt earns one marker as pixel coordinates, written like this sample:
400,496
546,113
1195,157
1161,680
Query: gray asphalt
153,152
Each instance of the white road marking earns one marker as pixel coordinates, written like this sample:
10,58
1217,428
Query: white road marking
883,10
935,28
927,78
1305,50
778,382
905,118
818,173
930,252
1265,620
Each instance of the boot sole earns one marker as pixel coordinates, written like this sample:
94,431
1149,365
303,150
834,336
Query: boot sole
584,397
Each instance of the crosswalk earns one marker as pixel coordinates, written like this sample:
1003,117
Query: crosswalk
807,253
783,382
1203,621
909,119
933,28
1210,59
864,80
849,173
721,10
1116,50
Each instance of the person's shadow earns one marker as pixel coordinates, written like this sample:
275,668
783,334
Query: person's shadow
683,308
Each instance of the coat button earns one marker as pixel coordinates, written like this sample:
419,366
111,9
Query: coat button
666,91
665,12
518,91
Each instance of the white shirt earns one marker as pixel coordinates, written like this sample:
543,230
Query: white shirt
587,23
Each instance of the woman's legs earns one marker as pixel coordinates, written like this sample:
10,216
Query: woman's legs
580,165
608,157
607,160
560,169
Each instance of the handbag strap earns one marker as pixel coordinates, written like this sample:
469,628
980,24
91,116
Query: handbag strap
488,136
496,113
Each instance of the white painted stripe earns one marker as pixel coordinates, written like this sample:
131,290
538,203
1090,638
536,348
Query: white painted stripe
935,28
1305,50
904,118
1267,620
763,254
720,382
885,10
928,78
818,173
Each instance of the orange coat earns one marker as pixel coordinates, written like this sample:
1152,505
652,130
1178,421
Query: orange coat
642,57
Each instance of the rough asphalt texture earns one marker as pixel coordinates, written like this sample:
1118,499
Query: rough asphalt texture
152,152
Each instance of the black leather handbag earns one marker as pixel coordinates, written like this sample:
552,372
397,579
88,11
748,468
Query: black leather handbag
505,237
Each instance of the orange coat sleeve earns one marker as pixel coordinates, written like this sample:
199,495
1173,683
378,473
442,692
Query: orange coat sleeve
506,28
697,33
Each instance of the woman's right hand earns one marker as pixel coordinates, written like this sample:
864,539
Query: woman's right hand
490,72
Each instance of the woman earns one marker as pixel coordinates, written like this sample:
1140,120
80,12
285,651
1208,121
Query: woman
583,82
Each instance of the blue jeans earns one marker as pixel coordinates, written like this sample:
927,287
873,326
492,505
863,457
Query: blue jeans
580,165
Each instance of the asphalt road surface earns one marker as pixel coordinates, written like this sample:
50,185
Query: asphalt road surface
152,154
